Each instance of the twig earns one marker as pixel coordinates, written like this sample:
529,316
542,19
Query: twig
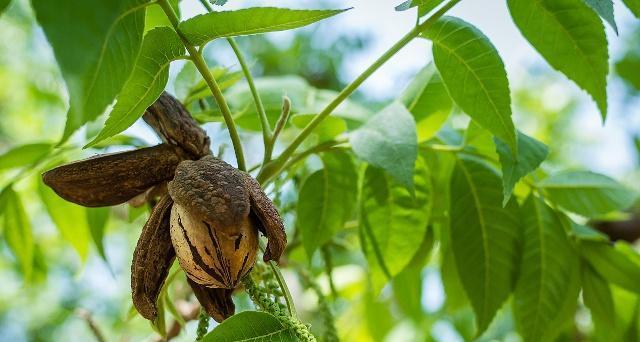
93,326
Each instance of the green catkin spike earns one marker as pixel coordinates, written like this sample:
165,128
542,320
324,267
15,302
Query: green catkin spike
331,334
203,325
262,301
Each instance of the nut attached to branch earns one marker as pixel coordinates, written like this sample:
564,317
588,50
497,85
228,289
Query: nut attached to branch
208,216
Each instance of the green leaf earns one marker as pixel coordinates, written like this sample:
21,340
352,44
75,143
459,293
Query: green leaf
326,200
547,256
613,265
587,193
218,2
17,231
633,6
393,222
598,298
474,75
604,8
530,155
484,237
571,37
24,155
407,285
388,141
97,219
627,68
156,17
206,27
428,100
250,326
161,46
328,129
70,219
96,45
587,233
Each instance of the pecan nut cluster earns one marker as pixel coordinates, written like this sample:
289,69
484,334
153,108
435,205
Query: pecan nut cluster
206,213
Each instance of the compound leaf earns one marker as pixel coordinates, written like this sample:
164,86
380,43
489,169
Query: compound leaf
250,326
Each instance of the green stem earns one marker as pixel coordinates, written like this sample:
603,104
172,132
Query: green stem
201,65
283,286
264,121
350,89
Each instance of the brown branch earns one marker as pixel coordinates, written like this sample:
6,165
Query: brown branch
93,326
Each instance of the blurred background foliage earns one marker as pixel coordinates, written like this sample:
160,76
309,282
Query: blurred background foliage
80,272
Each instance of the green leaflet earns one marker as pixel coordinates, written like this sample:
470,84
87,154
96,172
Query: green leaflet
484,237
97,219
161,46
587,193
96,44
388,141
627,68
393,222
547,257
305,100
24,155
250,326
428,100
604,8
531,153
329,128
70,219
326,200
17,231
612,264
155,15
474,75
571,37
598,298
206,27
633,6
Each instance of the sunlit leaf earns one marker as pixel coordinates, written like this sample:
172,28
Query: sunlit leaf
96,44
484,237
571,37
587,193
547,258
604,8
156,17
393,222
428,100
24,155
326,200
70,219
16,231
407,285
530,155
388,141
474,75
97,219
161,46
329,128
206,27
612,264
250,326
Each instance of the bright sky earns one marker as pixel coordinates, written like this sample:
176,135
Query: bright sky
611,152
